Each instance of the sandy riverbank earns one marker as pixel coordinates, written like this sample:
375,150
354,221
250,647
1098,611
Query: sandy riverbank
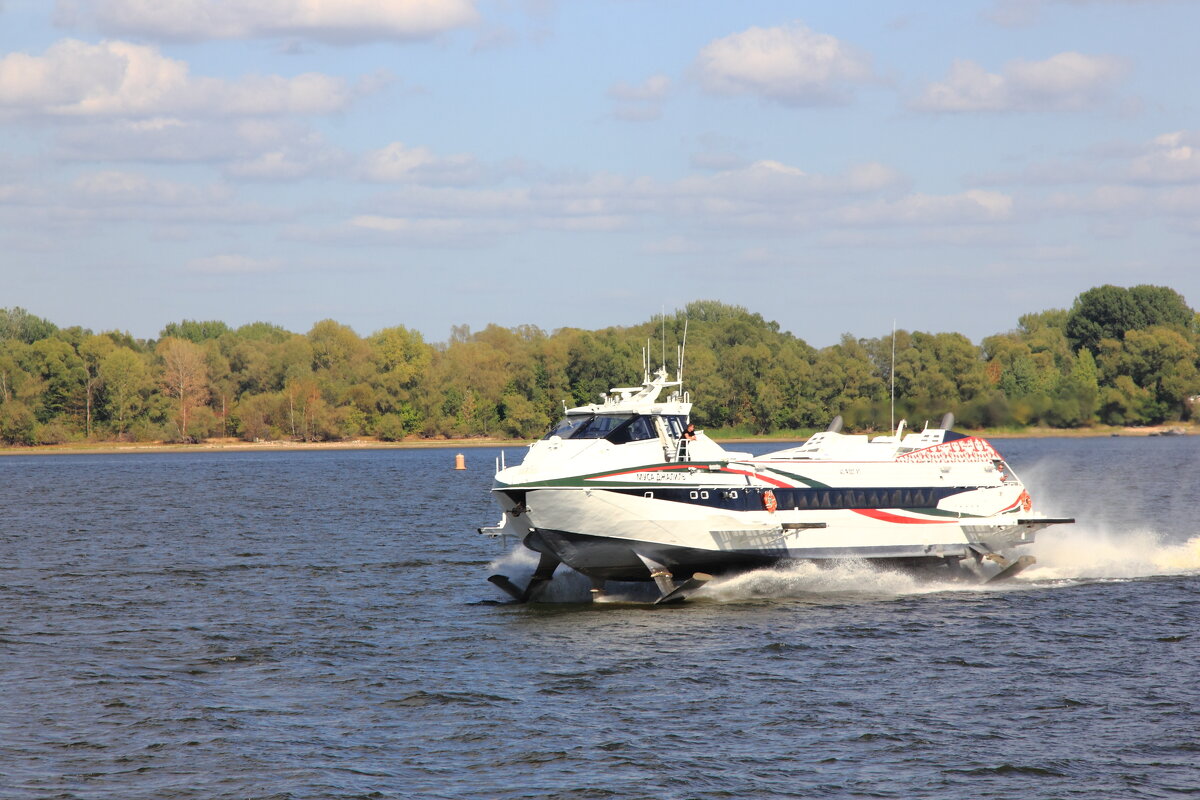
237,445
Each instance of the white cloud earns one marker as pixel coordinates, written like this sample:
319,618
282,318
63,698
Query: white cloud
115,187
672,245
337,21
755,257
398,163
122,196
77,79
432,231
232,264
1171,158
652,89
771,182
15,193
1124,203
289,158
639,102
974,206
790,64
770,198
63,211
766,195
1064,82
255,149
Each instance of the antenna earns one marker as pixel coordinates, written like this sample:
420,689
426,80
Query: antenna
664,338
893,419
682,350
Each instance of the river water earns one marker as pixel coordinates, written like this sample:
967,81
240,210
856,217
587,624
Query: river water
318,625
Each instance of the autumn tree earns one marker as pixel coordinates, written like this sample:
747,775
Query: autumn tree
184,377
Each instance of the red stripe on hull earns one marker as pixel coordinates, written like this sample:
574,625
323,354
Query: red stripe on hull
884,516
762,478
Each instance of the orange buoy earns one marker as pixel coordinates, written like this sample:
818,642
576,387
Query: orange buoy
460,462
769,502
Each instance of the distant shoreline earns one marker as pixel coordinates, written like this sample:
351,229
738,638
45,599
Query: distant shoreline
237,445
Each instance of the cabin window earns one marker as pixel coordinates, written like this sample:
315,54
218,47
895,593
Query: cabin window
600,426
676,423
637,429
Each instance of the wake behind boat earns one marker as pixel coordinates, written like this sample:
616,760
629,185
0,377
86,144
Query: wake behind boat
620,491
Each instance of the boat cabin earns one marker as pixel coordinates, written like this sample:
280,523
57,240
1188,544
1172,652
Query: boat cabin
618,428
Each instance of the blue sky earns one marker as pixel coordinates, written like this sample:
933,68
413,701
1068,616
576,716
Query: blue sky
833,166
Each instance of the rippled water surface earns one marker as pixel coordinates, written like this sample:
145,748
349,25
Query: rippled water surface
317,625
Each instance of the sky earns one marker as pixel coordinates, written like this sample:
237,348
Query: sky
835,167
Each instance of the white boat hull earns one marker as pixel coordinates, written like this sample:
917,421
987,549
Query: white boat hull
611,535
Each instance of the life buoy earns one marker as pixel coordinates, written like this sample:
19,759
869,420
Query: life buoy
1026,501
769,502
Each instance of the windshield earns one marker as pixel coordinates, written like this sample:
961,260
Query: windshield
600,426
567,427
616,428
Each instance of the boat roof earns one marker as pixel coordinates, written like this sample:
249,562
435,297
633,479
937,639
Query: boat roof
642,399
930,444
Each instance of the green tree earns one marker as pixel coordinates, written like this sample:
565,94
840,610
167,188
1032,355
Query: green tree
1078,395
195,331
126,384
1108,312
92,350
18,425
1160,361
401,359
65,378
18,324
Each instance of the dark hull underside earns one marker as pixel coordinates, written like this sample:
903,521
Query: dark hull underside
606,558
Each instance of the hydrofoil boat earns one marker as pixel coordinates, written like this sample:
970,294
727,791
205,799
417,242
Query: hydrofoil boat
620,491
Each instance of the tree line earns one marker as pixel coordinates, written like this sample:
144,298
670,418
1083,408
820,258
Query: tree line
1118,356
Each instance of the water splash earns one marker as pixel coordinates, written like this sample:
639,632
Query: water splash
1063,556
790,580
801,579
1081,554
518,565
